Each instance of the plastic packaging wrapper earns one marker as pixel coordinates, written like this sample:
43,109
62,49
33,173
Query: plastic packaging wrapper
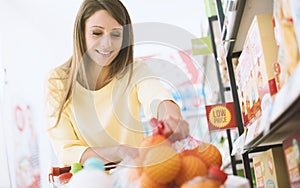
167,164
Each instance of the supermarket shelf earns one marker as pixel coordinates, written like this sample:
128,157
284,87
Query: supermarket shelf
239,21
285,115
283,119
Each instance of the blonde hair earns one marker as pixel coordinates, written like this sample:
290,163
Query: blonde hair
73,69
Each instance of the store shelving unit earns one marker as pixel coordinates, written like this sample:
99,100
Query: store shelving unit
212,27
229,35
283,117
239,21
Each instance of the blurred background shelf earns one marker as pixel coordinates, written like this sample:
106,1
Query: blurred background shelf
284,118
238,21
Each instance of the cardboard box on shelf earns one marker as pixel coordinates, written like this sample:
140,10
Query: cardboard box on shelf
270,169
295,9
292,158
248,90
286,26
255,71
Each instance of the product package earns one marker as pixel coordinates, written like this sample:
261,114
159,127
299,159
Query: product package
270,169
295,11
285,20
292,158
255,71
247,87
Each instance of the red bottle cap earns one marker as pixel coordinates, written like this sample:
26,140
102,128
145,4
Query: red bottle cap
56,171
65,177
216,173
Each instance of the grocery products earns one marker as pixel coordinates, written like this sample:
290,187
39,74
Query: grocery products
256,69
76,167
270,169
292,157
286,26
210,154
162,164
191,166
91,176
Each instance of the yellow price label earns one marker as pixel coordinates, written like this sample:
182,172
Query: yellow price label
219,116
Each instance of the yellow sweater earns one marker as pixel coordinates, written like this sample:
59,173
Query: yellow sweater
106,117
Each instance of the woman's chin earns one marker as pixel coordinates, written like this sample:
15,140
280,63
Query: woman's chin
102,64
102,61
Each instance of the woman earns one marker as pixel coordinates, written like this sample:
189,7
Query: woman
95,98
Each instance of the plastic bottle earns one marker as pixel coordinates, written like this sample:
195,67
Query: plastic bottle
92,175
54,175
76,167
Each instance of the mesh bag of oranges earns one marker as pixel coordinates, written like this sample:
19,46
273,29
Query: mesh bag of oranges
162,164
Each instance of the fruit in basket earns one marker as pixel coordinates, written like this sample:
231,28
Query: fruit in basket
162,164
146,182
191,166
152,141
189,152
209,153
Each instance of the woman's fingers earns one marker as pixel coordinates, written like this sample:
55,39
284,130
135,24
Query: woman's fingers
176,129
181,132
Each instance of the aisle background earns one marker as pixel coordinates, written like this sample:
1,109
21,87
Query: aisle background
35,36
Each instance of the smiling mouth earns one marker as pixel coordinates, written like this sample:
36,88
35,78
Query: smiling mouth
103,52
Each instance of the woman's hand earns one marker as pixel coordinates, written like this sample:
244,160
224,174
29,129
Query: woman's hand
174,127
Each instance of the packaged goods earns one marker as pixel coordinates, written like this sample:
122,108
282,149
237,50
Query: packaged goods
255,71
91,175
161,163
295,11
292,158
270,169
284,23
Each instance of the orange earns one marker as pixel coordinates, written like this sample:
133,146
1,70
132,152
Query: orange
210,154
150,142
162,164
153,140
188,152
191,166
146,182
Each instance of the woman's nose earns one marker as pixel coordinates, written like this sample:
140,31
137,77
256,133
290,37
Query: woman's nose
105,42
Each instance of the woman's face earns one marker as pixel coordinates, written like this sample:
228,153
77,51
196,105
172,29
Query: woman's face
104,37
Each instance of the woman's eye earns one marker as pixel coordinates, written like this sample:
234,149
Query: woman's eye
117,35
96,33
